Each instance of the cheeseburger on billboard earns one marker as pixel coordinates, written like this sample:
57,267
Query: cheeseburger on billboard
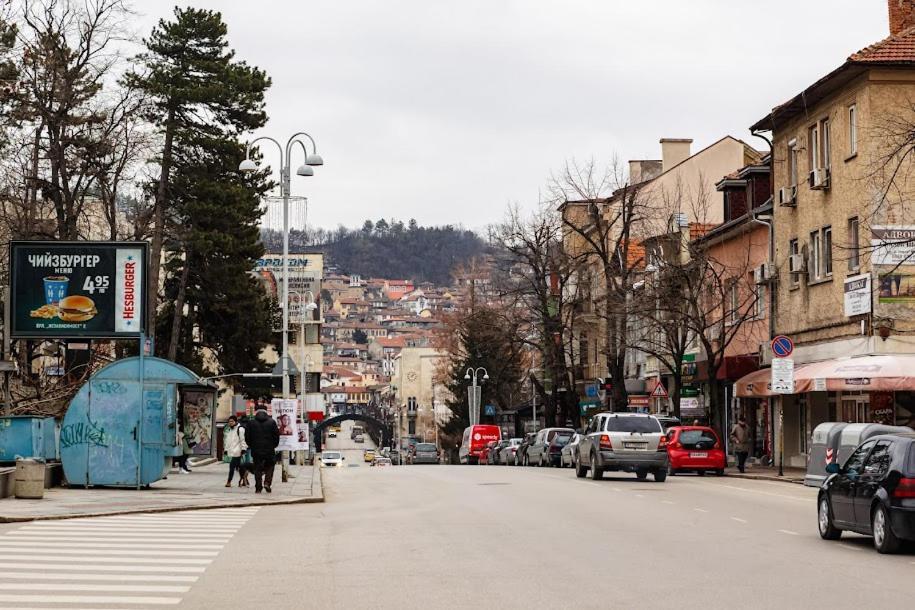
77,289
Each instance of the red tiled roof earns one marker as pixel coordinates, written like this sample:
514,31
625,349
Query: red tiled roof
898,49
635,255
390,341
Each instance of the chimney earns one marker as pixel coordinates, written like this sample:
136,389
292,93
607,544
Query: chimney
675,150
641,170
902,15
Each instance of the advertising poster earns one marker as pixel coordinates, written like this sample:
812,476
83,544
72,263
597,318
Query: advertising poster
857,295
893,245
303,435
197,409
897,288
77,289
284,412
305,272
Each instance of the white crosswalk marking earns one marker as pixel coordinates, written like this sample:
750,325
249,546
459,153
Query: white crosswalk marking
131,561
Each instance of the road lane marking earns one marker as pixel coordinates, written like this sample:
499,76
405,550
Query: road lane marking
101,587
91,599
197,542
854,548
91,576
157,569
27,549
765,493
739,520
667,502
616,489
789,532
700,510
52,556
639,496
28,542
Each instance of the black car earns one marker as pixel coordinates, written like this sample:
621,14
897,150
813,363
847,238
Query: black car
521,454
554,450
873,493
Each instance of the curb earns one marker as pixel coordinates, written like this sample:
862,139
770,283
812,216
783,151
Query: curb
765,477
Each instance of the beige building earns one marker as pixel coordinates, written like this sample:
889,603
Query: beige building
418,398
844,257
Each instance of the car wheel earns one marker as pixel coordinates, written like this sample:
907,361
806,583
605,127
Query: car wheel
641,474
660,475
596,473
828,531
580,471
885,541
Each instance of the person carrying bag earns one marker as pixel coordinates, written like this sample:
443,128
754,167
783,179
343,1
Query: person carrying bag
235,447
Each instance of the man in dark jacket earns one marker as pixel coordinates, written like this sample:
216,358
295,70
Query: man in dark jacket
262,436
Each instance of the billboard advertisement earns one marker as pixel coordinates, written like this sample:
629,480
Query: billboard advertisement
286,416
305,273
77,289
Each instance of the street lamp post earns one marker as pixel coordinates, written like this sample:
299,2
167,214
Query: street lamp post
474,404
311,160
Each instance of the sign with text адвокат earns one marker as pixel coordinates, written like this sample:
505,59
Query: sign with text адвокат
77,289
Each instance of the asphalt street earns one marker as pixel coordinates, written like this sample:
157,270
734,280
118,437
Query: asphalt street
488,537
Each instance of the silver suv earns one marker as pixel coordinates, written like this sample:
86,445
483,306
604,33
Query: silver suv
631,442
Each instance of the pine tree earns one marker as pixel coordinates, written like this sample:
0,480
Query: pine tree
206,211
200,97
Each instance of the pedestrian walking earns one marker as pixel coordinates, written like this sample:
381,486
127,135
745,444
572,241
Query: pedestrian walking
246,464
234,447
740,439
262,436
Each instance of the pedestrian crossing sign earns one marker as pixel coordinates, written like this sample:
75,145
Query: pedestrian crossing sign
659,391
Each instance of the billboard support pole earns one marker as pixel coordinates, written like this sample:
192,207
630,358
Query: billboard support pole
142,378
7,394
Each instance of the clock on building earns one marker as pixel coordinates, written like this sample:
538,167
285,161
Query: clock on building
411,376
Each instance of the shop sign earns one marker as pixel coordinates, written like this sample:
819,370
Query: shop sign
819,384
66,289
896,288
857,295
639,400
689,392
692,407
893,245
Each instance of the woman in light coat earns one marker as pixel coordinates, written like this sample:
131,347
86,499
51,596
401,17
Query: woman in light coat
234,446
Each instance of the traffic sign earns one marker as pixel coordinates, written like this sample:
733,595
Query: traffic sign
659,391
783,375
782,346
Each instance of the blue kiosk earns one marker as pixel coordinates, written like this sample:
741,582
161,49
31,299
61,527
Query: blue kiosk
115,435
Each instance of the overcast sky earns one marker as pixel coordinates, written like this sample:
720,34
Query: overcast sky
448,111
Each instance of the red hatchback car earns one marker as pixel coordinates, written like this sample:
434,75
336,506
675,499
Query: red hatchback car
695,448
485,453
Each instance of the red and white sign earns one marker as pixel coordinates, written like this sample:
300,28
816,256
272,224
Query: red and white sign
659,391
128,288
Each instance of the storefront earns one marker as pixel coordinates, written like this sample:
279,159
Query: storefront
863,389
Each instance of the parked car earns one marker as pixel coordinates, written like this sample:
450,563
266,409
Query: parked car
359,438
475,440
538,454
396,457
487,451
368,455
382,461
668,421
521,454
495,456
630,442
424,453
873,493
696,449
553,453
332,458
510,448
569,453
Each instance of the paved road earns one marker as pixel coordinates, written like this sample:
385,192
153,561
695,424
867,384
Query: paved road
352,450
434,537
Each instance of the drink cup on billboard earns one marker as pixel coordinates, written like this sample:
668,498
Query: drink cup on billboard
55,288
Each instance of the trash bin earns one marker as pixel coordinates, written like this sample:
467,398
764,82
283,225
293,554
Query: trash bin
824,447
855,434
30,479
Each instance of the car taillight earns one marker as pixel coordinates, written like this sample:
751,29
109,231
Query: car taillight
676,445
514,449
905,488
605,442
662,443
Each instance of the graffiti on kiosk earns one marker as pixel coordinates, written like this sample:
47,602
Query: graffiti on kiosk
110,387
87,433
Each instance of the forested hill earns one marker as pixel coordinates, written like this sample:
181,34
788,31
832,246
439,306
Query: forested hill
388,248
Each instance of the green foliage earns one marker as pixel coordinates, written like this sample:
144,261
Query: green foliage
206,99
389,249
360,337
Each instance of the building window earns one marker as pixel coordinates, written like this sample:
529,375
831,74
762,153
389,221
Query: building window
825,143
827,250
813,148
793,249
792,162
852,130
813,266
411,426
733,302
854,252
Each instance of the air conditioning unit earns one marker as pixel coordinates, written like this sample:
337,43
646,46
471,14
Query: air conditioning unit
797,264
819,178
764,273
787,196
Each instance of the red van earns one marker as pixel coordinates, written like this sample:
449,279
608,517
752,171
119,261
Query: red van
475,440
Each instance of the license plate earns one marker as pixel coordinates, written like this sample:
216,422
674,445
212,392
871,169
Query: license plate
634,445
698,454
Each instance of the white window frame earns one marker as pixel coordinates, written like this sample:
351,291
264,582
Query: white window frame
794,247
814,261
825,144
813,146
853,130
854,243
792,163
733,302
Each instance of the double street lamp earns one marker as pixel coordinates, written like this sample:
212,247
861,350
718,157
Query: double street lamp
473,402
312,159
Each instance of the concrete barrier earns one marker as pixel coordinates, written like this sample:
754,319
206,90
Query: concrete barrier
30,475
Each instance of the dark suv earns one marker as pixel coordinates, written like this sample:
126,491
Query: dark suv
873,493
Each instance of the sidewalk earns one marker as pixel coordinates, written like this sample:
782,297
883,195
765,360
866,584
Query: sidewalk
201,489
766,473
